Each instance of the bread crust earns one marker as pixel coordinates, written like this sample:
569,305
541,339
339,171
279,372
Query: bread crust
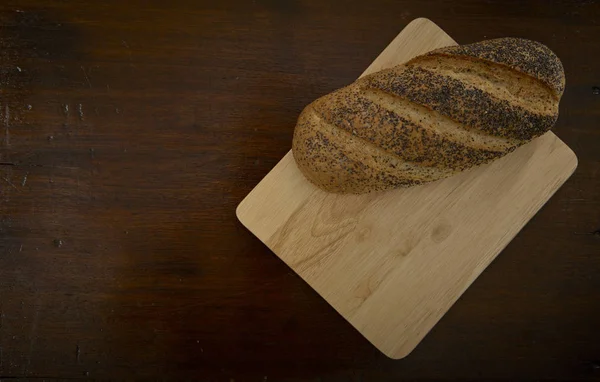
439,114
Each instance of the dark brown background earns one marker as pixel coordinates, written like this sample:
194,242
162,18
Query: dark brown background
130,131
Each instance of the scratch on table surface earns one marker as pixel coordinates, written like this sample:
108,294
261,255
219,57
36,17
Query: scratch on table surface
6,126
86,77
80,111
126,45
10,183
24,179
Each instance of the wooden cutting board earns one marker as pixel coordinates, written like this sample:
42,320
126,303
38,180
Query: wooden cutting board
393,263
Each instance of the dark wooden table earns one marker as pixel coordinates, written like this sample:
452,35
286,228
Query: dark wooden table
130,131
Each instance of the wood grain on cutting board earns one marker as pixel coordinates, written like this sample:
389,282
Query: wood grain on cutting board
393,263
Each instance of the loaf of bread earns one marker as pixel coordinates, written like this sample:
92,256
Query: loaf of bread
438,114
